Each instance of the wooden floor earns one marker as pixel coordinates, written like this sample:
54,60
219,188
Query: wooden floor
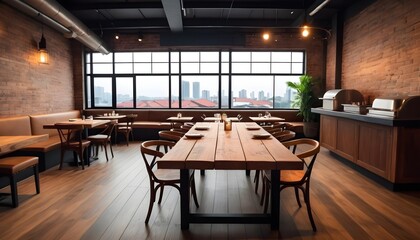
109,200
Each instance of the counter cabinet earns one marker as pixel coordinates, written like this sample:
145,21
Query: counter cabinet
391,152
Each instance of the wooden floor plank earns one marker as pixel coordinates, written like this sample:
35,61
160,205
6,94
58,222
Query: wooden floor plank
109,200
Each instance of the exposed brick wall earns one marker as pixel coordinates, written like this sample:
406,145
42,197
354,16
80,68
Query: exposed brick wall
27,87
381,49
331,62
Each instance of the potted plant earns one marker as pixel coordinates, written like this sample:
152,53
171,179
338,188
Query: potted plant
305,100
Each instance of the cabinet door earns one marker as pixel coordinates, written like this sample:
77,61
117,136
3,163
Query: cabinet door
375,150
347,144
328,132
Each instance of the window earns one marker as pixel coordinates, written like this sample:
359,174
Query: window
152,92
124,87
102,93
192,79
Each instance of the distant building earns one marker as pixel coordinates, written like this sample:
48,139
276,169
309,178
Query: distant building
205,94
252,95
196,90
185,89
243,94
261,95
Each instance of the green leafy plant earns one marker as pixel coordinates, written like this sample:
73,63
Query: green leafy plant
305,98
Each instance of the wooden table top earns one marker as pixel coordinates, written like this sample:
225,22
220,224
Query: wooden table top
12,143
236,149
115,117
180,119
87,123
266,119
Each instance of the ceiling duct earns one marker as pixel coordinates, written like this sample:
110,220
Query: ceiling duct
62,20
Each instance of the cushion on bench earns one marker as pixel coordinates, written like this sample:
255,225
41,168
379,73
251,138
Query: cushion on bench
15,126
38,121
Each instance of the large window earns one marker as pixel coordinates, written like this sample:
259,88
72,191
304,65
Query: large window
192,79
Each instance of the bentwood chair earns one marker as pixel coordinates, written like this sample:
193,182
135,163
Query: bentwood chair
103,139
161,177
282,136
173,136
71,140
298,179
127,128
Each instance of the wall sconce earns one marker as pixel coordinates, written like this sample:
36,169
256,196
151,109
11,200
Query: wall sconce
306,31
42,49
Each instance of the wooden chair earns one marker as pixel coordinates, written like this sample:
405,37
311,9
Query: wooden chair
71,140
282,136
161,177
127,128
103,138
298,179
174,136
11,166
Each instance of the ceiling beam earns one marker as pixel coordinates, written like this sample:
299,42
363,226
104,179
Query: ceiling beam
173,14
109,5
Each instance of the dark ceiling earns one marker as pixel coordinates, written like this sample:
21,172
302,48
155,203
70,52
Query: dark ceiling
185,15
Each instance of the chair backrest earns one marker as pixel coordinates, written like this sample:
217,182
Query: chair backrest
146,148
310,151
130,119
109,128
284,135
69,133
170,135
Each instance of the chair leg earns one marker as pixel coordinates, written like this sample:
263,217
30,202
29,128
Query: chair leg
257,180
127,136
82,159
267,196
61,160
152,200
308,208
112,152
13,190
36,176
194,191
161,193
297,196
106,152
263,191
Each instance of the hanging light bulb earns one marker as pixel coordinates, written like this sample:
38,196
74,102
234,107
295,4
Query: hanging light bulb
305,31
42,49
266,36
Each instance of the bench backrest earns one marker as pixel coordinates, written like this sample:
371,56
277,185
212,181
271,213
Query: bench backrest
38,121
15,126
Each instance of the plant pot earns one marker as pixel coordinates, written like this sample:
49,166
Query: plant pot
311,129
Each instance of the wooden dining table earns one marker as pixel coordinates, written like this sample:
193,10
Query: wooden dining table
238,149
13,143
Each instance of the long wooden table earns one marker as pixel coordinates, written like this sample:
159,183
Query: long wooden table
234,150
13,143
266,119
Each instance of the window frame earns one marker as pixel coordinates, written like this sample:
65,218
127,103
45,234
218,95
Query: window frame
90,103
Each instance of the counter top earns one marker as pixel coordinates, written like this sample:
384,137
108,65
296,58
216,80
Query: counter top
387,121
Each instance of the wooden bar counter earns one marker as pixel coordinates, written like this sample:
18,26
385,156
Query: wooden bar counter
387,147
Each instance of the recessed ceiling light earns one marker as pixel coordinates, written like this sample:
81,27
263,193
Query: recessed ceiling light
292,12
